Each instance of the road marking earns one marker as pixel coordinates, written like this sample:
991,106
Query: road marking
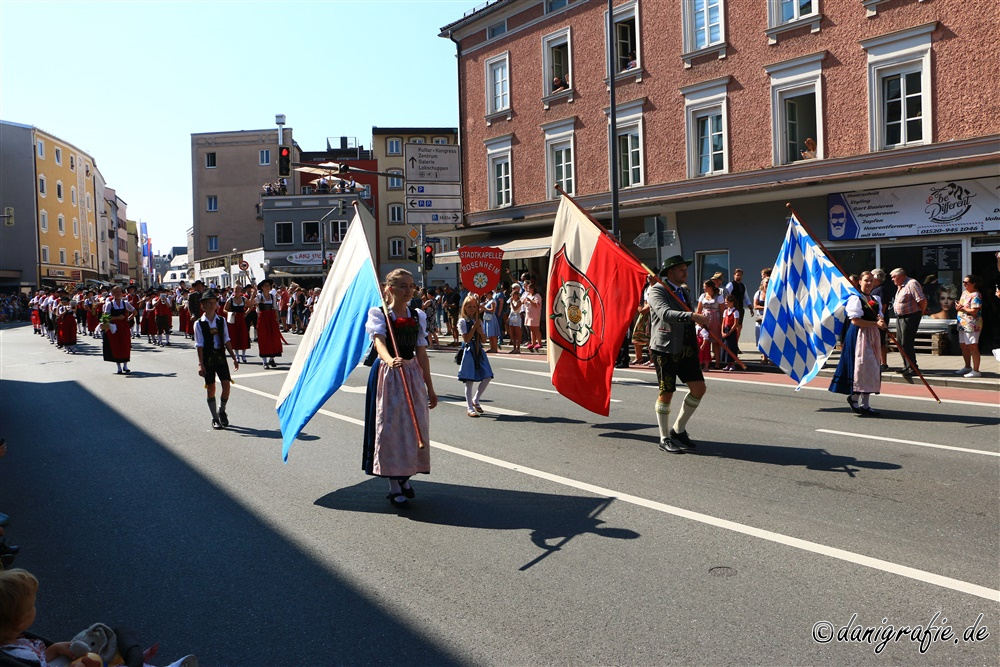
258,375
909,442
544,374
743,529
494,383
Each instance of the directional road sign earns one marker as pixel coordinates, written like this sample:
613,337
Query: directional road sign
429,218
433,189
434,204
432,163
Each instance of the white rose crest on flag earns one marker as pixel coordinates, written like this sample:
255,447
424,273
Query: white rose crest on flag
572,313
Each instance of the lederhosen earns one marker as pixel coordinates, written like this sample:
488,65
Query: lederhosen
214,358
684,365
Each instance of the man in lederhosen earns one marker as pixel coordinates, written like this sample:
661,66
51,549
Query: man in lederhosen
211,337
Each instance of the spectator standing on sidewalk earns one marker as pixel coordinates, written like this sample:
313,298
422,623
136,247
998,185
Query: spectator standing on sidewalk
970,325
909,306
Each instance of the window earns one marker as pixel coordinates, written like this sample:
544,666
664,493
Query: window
41,149
282,233
559,156
41,185
212,203
396,247
416,140
704,29
628,142
708,263
310,232
90,231
785,15
45,254
72,194
76,228
61,224
706,110
395,214
496,29
213,244
899,88
395,182
90,203
72,163
440,141
553,5
498,152
265,157
394,146
76,258
366,192
340,227
498,85
796,87
59,190
58,154
210,160
62,256
556,62
43,221
626,38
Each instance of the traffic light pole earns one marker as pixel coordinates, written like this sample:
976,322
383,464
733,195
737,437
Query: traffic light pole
420,255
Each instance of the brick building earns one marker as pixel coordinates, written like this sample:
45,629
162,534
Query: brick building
715,102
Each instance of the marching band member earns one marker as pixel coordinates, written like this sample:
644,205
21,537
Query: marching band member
117,338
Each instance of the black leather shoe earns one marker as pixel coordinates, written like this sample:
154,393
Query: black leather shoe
669,445
394,500
868,412
408,492
223,417
854,405
216,425
682,438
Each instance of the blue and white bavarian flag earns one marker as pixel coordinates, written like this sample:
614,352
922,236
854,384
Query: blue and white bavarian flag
805,301
336,341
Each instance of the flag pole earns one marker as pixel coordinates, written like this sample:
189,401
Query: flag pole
649,271
402,373
843,273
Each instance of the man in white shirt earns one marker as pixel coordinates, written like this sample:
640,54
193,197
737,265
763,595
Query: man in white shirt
211,337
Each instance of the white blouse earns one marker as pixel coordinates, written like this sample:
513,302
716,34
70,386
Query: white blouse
376,324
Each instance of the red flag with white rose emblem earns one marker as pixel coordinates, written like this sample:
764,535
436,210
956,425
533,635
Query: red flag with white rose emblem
593,293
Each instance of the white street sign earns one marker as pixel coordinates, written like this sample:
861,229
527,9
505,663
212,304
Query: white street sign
432,163
433,190
428,218
435,204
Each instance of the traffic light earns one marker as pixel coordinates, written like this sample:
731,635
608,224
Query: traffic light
411,252
343,207
428,257
284,161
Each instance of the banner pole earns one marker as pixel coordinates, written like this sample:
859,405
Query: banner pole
649,271
836,264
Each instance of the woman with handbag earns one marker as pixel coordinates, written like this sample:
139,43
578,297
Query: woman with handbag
236,312
474,366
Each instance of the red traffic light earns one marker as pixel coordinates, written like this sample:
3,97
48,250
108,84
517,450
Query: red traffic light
284,151
428,250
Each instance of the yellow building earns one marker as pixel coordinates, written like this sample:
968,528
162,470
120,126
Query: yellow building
67,219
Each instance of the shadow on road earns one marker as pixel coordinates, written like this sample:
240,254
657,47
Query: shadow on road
810,459
120,530
553,520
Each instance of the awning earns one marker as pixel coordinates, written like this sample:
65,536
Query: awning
307,271
516,249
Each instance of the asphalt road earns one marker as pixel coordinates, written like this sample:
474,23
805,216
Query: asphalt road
546,535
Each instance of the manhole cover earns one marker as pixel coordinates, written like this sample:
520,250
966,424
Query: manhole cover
722,572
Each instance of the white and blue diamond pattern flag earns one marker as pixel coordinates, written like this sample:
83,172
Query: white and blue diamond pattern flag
805,307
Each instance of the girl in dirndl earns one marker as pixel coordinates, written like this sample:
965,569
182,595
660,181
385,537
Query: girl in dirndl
239,334
392,448
474,365
859,373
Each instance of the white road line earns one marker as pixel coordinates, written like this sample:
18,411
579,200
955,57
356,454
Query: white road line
490,409
770,536
494,383
543,374
908,442
237,374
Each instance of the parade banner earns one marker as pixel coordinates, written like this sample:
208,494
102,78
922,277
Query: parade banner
594,289
481,267
957,207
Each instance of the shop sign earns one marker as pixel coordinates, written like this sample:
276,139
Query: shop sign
305,257
955,207
481,267
63,273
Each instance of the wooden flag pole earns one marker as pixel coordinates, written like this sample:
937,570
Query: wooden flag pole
649,271
844,274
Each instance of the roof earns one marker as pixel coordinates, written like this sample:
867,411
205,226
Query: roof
414,130
475,14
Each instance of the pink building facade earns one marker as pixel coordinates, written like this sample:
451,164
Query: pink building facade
729,110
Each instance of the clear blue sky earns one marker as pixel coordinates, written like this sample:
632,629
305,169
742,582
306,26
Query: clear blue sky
130,81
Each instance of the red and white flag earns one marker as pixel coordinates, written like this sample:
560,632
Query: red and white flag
593,293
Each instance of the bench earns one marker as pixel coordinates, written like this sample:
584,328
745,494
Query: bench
936,337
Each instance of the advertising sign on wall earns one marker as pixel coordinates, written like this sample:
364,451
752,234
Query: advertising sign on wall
956,207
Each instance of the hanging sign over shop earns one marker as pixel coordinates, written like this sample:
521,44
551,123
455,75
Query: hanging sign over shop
956,207
481,267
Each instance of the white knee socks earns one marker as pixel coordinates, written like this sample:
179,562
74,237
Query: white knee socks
480,390
687,409
663,419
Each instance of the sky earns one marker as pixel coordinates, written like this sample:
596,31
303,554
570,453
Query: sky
129,81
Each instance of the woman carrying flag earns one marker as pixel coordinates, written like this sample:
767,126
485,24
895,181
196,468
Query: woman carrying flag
400,391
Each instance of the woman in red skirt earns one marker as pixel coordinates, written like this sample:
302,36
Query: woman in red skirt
93,318
183,315
239,335
118,337
269,338
66,325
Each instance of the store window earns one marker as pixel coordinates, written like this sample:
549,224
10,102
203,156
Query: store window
936,266
707,264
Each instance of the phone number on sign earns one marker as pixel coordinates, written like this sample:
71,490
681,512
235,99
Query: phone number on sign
824,632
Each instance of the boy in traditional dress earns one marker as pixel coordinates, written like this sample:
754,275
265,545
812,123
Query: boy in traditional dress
211,337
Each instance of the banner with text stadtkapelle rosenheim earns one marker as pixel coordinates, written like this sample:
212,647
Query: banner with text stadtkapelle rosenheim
949,207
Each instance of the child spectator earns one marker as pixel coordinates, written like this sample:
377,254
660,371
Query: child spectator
731,326
704,347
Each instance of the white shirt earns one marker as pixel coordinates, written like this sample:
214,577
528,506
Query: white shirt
221,336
